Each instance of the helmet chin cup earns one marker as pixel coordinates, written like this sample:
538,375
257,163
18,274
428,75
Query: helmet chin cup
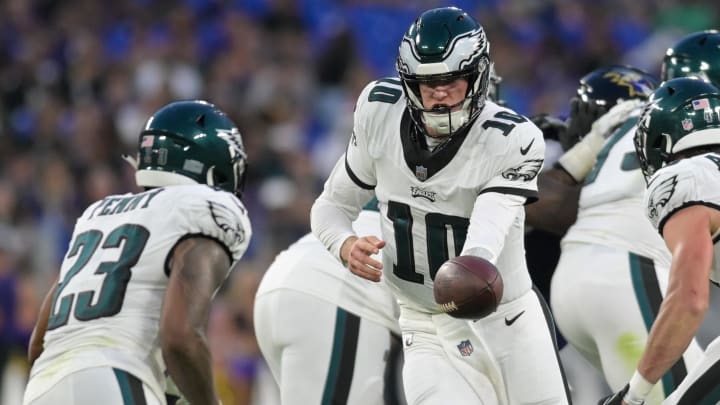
445,123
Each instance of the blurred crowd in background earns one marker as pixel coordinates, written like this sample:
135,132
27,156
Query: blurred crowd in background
78,78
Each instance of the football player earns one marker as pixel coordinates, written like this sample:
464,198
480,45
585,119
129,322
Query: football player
135,288
327,335
451,171
610,227
297,316
604,307
677,141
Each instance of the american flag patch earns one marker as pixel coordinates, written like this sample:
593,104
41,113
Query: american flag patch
701,104
147,141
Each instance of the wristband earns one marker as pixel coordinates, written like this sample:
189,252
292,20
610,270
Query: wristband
638,390
580,159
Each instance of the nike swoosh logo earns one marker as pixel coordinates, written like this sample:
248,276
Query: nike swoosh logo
525,150
512,320
409,340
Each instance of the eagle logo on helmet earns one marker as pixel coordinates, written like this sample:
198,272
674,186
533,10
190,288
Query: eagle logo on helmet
234,141
480,47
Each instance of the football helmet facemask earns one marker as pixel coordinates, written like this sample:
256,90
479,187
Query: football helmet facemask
493,92
442,45
191,142
697,54
682,114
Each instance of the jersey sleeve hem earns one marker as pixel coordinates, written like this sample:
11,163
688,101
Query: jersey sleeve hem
530,195
355,178
171,252
686,204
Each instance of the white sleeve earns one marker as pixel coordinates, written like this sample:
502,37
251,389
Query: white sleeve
491,219
218,215
350,185
520,165
337,207
669,191
358,161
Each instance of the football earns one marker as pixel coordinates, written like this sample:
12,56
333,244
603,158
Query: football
468,287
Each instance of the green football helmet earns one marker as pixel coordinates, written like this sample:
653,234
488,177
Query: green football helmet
682,114
697,54
191,142
444,44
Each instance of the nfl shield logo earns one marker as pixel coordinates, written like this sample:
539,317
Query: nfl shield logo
687,124
466,348
421,173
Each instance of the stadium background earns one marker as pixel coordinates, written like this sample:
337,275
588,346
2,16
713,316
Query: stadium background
79,77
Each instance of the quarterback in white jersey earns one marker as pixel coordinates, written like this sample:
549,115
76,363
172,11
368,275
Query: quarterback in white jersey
678,128
327,335
134,290
451,172
605,306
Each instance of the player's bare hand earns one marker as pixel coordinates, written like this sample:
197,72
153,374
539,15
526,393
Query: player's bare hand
357,254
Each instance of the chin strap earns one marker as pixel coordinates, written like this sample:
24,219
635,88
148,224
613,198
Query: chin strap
445,122
210,176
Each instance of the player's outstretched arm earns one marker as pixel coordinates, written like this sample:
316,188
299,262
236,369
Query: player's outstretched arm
35,347
686,301
687,298
198,267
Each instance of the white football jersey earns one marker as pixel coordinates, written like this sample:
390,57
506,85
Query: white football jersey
691,181
610,209
426,198
107,305
307,266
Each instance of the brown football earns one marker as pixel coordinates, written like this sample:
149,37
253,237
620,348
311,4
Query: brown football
468,287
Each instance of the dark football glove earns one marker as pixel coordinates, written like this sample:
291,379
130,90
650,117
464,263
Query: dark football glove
551,127
582,116
616,398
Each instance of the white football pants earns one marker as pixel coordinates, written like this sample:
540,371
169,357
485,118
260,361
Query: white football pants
320,353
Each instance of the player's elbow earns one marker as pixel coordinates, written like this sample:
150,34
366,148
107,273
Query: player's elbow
315,217
689,279
694,303
691,299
